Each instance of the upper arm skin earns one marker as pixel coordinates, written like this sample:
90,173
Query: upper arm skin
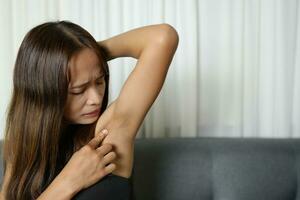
146,80
124,115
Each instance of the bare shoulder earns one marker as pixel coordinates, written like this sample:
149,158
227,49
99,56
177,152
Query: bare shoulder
119,129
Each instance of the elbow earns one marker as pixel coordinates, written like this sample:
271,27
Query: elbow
168,36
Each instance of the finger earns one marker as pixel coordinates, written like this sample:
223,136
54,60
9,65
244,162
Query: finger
104,149
94,143
108,158
105,131
110,168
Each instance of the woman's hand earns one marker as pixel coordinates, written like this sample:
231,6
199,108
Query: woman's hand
89,164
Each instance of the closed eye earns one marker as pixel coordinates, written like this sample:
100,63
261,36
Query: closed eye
76,93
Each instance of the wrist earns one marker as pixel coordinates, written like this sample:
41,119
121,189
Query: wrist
105,50
66,186
59,189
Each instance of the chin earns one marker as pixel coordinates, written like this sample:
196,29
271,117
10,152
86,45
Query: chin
83,120
87,121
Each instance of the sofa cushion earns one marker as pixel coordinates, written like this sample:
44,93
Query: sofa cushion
216,168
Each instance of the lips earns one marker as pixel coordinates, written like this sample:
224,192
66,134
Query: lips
93,112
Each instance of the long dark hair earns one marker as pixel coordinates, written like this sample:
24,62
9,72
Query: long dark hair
38,143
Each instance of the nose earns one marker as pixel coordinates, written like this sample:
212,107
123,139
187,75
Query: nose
94,97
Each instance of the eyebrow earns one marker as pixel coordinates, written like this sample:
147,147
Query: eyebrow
83,84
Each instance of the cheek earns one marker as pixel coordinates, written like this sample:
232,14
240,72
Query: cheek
73,107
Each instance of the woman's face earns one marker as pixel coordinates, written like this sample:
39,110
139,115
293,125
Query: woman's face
86,88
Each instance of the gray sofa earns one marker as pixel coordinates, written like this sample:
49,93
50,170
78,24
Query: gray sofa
216,169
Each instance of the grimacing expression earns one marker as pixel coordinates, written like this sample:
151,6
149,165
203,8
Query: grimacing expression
86,88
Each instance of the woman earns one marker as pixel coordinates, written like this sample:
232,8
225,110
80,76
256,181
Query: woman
53,147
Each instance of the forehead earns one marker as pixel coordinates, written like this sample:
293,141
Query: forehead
84,65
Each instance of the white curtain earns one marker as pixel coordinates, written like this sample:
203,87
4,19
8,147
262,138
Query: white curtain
236,72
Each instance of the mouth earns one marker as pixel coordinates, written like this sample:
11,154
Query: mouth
93,113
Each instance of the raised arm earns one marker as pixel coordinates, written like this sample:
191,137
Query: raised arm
154,46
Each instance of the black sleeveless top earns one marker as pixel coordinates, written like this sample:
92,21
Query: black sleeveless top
110,187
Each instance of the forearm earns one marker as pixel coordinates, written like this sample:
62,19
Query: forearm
59,189
133,42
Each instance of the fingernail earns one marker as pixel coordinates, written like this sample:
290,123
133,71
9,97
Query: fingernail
105,131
